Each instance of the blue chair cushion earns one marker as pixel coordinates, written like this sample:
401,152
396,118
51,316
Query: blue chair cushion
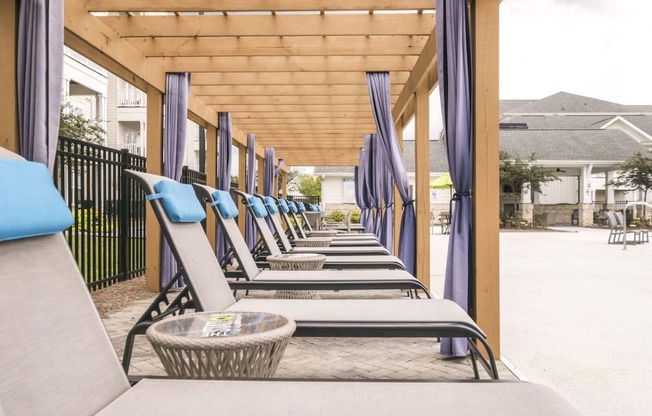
257,207
226,206
282,203
302,208
30,205
271,205
293,207
179,201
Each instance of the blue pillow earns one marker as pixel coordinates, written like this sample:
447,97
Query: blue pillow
226,206
293,207
283,205
30,205
312,207
302,208
257,207
271,205
179,201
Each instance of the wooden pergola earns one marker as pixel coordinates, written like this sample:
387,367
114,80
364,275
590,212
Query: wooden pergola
293,73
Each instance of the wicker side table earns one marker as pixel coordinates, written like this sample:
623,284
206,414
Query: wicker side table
313,242
221,344
296,262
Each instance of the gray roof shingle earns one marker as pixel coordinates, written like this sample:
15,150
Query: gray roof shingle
563,102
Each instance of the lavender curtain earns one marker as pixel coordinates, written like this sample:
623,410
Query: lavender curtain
358,177
177,86
454,65
372,181
250,226
223,171
40,68
387,223
379,93
367,215
268,176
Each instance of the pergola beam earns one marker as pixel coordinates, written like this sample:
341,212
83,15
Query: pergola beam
280,46
290,78
286,90
420,73
252,5
279,100
266,25
285,63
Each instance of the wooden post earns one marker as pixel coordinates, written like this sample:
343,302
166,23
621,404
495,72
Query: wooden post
242,186
422,180
284,184
485,179
211,177
155,166
8,105
398,205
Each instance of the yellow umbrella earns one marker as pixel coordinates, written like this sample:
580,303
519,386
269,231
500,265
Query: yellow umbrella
442,182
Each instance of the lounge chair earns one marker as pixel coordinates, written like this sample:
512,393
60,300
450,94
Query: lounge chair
616,232
285,210
56,358
333,261
306,224
209,289
226,211
643,235
341,239
273,213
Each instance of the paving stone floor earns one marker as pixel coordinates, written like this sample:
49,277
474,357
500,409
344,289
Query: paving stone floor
338,358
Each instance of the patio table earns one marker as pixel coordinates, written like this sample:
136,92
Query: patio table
221,344
296,262
322,233
314,242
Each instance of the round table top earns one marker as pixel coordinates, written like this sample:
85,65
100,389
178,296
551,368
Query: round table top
203,325
297,257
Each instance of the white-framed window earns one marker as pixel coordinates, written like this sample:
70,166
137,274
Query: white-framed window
348,191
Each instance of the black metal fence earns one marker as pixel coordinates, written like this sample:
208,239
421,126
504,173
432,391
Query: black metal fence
305,199
108,236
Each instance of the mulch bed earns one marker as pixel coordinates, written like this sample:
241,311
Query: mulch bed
120,295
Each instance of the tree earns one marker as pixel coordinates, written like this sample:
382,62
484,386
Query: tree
78,127
309,185
636,173
517,175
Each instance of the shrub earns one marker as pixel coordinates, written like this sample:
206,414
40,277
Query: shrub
336,216
355,217
90,220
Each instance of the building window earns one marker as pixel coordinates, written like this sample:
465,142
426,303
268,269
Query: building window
348,191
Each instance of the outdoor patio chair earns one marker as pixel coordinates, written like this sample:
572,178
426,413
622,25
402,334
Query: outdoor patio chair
56,358
210,291
341,238
616,233
285,210
279,233
306,225
333,261
226,211
643,236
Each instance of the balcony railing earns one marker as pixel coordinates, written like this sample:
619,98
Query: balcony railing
131,98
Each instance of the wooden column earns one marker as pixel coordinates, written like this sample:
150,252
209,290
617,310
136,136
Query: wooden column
422,181
485,179
242,186
8,104
398,205
211,177
284,184
260,174
155,166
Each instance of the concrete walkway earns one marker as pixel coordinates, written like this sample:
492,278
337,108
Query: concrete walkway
575,315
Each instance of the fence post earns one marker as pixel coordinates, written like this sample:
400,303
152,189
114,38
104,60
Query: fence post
123,218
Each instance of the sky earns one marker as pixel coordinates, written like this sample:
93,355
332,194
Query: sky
596,48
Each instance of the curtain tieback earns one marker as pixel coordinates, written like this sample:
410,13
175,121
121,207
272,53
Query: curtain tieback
408,203
457,196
